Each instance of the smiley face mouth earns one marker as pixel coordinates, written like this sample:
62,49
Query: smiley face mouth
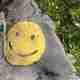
23,55
26,55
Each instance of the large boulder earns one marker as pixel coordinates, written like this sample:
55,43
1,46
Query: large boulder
54,65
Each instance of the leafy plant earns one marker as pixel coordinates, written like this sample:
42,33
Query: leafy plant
66,15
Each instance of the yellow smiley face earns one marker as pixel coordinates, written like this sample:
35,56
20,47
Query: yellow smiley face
25,43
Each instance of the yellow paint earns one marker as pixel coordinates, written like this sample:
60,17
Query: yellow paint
25,43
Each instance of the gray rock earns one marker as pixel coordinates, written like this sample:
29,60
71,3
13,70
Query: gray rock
53,65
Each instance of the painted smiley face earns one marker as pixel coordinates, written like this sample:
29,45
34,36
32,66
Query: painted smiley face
25,43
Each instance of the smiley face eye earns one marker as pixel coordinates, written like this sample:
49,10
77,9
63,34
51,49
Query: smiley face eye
32,37
17,34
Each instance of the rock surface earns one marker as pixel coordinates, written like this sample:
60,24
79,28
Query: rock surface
28,10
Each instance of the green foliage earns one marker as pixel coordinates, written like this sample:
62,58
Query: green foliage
66,15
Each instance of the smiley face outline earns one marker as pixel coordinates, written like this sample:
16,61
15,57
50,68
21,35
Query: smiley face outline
38,52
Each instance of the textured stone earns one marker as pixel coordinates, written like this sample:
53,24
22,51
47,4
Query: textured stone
54,60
